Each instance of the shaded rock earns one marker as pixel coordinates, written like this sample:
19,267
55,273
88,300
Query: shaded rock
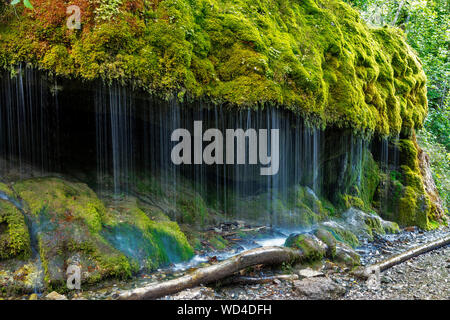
430,187
327,237
341,233
55,296
363,224
390,226
346,255
318,288
310,245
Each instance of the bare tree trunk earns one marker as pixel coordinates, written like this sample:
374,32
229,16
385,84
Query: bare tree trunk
265,256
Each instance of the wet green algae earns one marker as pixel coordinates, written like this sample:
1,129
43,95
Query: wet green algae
316,58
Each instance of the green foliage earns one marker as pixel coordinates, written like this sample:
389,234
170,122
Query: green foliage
438,123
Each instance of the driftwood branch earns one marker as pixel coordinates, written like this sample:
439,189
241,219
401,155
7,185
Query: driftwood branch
213,273
411,253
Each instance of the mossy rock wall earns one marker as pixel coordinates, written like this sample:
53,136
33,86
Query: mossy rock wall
401,195
315,57
74,227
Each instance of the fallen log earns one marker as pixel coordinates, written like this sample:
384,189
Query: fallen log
402,257
213,273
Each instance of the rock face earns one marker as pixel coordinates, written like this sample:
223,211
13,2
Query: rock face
73,227
430,186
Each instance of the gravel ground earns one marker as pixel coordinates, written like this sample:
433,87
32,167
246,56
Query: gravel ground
424,277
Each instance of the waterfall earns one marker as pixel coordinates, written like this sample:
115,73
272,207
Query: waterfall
122,138
29,120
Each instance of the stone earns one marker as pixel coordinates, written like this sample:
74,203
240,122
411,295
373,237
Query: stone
346,255
311,246
327,237
318,288
197,293
55,296
33,296
309,273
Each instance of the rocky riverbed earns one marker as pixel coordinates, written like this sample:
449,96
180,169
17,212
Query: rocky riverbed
423,277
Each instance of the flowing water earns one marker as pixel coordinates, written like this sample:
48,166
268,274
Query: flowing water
117,138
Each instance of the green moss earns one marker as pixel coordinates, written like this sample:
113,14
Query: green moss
327,238
14,236
353,202
343,235
315,58
403,192
6,190
191,209
218,242
145,235
69,217
311,249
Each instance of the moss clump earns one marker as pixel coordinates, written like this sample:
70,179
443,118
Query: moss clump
145,235
68,217
327,237
14,236
316,58
311,247
191,209
218,242
342,234
6,190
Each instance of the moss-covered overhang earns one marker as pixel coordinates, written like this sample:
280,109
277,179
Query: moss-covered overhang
314,57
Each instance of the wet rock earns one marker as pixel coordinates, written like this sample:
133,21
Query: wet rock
363,224
318,288
34,296
312,247
55,296
346,255
327,237
341,232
